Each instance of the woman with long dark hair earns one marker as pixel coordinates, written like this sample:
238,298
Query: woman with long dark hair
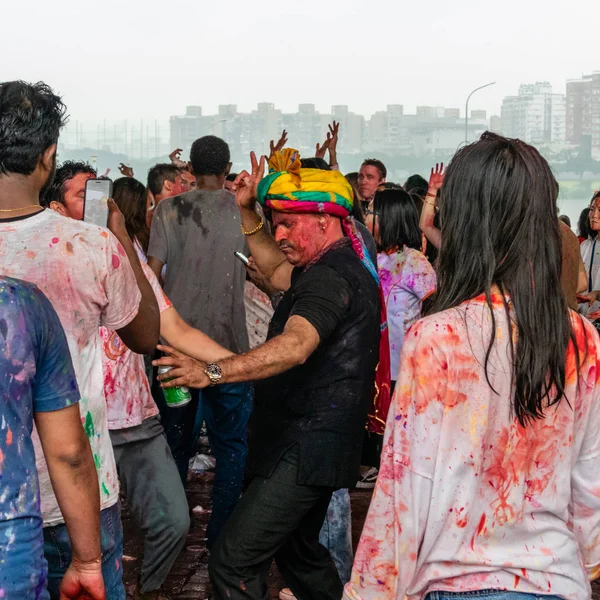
590,255
131,197
489,476
583,225
406,275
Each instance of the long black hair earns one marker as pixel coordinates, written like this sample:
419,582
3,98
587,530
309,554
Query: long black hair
130,196
398,220
583,225
499,227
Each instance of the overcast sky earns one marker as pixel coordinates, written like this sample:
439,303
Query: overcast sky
147,59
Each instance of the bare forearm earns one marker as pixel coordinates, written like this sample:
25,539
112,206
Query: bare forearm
194,343
141,335
75,484
263,247
272,358
432,233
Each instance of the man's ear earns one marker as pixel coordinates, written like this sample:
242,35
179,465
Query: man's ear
228,169
59,208
190,168
48,159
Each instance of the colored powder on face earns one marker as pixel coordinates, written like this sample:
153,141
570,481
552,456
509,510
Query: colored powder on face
115,261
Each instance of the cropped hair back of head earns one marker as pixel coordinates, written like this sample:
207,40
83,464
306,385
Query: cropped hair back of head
210,155
67,170
31,117
398,220
158,174
416,184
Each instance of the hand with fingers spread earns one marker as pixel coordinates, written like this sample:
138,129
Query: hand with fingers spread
322,149
280,144
175,158
334,132
186,371
125,170
246,183
436,179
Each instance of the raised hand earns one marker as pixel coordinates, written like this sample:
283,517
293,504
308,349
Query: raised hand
125,170
436,178
334,131
175,158
280,144
322,149
246,183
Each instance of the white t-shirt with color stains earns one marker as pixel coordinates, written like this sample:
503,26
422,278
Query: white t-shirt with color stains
85,273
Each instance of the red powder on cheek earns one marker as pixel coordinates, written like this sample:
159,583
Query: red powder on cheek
115,261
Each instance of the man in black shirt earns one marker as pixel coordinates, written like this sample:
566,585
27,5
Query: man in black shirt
314,381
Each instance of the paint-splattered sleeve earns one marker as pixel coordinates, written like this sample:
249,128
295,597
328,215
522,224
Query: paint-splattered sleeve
585,483
387,556
120,287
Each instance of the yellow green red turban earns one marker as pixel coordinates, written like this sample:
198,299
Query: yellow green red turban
289,188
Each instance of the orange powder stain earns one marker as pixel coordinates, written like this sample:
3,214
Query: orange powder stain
104,234
69,248
9,437
30,254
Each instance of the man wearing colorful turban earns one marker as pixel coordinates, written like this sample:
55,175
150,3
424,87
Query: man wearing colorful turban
314,379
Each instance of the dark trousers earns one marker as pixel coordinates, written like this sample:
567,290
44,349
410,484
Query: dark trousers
276,519
226,410
158,504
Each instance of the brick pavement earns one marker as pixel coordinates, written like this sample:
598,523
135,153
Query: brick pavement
189,577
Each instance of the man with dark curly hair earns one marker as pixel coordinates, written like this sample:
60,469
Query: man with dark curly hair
195,235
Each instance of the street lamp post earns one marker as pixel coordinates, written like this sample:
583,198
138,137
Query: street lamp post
467,108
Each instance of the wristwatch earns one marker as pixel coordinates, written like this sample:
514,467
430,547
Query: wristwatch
214,373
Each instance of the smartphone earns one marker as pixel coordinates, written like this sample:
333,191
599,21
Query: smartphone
241,257
95,205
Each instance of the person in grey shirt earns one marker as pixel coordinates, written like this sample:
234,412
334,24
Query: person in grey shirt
195,235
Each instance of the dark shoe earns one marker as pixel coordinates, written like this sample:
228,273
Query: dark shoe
153,595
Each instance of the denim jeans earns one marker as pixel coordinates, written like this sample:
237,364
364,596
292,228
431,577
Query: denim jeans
57,549
336,533
488,595
226,410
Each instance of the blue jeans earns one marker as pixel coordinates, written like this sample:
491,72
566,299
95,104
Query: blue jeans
488,595
336,533
226,409
57,550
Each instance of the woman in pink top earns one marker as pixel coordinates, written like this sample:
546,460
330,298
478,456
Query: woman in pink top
489,485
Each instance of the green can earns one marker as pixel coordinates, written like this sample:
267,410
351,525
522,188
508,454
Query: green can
175,396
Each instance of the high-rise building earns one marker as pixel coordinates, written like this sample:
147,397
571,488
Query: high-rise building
352,128
536,115
583,112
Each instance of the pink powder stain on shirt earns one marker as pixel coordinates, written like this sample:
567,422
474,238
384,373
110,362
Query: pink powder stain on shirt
116,261
55,240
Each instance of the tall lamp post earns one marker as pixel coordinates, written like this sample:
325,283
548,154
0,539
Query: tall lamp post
467,108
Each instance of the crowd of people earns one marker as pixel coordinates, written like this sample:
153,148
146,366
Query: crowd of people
436,341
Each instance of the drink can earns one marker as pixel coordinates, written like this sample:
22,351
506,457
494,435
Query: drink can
175,396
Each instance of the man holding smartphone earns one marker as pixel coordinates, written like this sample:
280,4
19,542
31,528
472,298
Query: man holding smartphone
90,277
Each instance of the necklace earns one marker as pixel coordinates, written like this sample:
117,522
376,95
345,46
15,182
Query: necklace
6,210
